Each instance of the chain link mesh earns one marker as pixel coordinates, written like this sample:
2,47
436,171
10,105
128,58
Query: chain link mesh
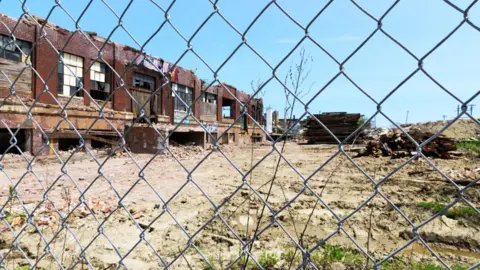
84,256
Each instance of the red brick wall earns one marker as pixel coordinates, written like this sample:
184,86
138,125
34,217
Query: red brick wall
45,59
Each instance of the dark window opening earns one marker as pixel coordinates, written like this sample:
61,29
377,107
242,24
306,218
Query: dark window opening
22,141
243,123
99,145
187,138
103,142
14,50
227,108
143,81
70,75
100,81
182,93
68,144
211,140
257,113
224,139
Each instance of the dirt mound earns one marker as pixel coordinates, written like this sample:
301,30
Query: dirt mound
462,129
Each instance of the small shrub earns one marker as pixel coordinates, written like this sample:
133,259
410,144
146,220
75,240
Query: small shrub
334,253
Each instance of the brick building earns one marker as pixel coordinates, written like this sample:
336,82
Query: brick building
97,94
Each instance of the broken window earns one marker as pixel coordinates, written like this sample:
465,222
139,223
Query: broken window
70,75
15,50
227,108
100,79
143,81
184,93
209,98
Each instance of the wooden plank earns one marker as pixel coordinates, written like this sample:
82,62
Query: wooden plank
13,79
11,65
18,86
26,74
22,94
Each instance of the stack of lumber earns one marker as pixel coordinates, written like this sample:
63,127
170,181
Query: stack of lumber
397,144
341,124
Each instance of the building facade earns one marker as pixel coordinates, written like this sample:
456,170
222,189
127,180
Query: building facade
105,94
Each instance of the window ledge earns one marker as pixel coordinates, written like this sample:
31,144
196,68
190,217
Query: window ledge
74,97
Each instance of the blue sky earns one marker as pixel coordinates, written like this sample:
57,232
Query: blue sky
377,68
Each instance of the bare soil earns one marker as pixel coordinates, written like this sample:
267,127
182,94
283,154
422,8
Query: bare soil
142,209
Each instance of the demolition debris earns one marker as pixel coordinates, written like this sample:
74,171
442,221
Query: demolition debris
396,144
341,124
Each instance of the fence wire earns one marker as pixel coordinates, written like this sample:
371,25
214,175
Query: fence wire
84,259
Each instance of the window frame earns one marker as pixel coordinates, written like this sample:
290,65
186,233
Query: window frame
207,97
145,79
8,45
70,60
100,71
186,93
231,108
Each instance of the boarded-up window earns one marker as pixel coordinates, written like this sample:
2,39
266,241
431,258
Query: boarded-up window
141,98
208,106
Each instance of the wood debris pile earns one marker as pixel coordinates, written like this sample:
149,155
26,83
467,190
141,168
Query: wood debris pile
396,144
341,124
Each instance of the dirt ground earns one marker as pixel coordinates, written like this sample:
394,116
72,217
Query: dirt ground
146,210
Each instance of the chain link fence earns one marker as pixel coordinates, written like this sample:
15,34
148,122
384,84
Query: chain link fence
59,212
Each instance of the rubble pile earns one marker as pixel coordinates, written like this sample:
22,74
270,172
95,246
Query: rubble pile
396,144
185,151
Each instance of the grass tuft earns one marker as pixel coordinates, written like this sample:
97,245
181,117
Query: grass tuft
453,213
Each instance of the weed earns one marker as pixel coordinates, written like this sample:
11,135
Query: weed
268,260
471,146
435,206
242,262
288,256
452,213
398,264
210,264
393,264
336,253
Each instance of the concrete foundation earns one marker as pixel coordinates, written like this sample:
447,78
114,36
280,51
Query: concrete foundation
144,140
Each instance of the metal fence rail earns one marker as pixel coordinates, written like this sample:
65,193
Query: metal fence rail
276,149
